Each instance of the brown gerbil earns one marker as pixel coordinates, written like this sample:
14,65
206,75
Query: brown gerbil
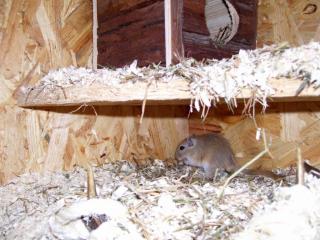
208,151
211,151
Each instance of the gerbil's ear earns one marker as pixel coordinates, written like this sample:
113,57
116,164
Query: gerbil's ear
190,141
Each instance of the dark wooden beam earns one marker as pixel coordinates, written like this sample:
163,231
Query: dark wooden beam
177,23
129,32
135,29
196,37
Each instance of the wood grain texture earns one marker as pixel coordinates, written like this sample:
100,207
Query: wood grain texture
177,91
39,35
286,124
196,37
177,23
294,21
136,31
36,36
130,33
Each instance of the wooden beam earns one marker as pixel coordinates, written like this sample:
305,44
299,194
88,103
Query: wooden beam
94,36
131,30
176,31
176,92
196,36
168,31
296,22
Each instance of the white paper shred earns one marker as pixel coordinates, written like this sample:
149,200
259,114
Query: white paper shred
175,203
295,215
212,79
146,203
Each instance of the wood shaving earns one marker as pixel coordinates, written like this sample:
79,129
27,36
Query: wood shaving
157,202
294,214
209,80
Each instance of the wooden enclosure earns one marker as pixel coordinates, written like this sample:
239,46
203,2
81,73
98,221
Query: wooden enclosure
132,30
128,30
196,40
36,36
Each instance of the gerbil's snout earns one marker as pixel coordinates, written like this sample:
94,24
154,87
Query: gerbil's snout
181,154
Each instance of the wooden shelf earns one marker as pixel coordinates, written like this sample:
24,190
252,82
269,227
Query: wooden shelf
176,92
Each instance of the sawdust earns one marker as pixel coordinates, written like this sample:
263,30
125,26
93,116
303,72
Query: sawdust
209,80
158,202
294,214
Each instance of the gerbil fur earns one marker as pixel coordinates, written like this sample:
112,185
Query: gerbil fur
209,152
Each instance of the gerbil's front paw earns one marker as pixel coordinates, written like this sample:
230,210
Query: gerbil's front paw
209,174
189,162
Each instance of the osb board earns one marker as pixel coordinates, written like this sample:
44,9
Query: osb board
51,140
39,35
286,124
36,36
294,21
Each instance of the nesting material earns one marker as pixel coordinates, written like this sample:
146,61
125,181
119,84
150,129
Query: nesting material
92,219
295,214
155,202
208,81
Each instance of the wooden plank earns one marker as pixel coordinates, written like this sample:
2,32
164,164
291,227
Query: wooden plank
27,52
196,37
294,21
176,36
130,32
168,31
286,124
36,36
134,93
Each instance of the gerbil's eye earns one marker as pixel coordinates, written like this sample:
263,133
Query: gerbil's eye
181,148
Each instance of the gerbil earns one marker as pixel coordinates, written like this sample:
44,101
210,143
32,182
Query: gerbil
208,151
211,151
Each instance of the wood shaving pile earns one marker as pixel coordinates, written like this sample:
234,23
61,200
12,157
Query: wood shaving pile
294,214
211,79
154,202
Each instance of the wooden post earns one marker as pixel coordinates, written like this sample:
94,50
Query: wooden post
168,31
177,53
94,36
300,167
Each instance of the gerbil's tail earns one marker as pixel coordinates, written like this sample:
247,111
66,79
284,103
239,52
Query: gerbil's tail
264,173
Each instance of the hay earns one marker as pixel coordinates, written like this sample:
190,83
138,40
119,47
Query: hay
155,202
209,80
295,214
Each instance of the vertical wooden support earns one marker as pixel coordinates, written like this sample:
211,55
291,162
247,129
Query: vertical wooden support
173,10
176,31
91,185
300,167
94,35
168,31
